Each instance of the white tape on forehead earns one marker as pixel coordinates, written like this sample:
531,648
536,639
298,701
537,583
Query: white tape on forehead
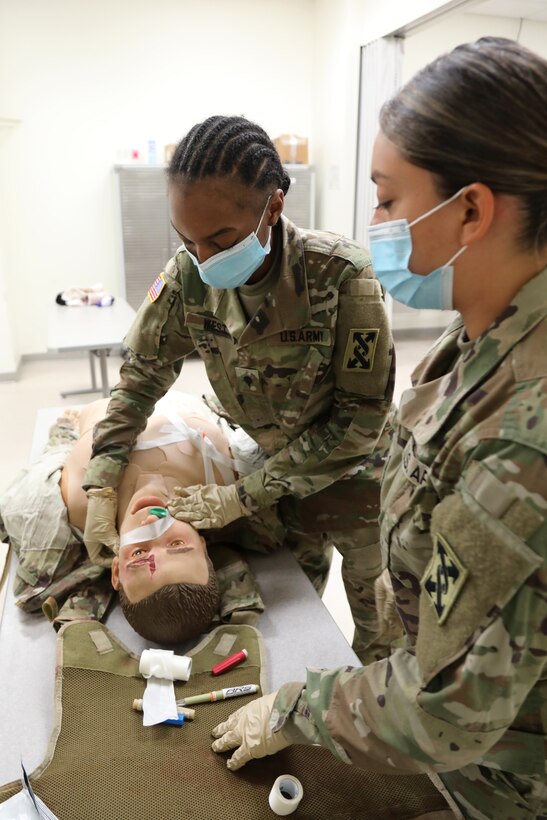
148,532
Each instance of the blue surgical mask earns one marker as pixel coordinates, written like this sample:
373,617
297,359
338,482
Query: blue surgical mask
390,249
234,266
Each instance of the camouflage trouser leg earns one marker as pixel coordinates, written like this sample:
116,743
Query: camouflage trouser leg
361,566
485,793
313,551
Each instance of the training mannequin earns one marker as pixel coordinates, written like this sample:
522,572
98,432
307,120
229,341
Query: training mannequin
43,513
156,465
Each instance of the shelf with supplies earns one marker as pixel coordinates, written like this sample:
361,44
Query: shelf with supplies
148,238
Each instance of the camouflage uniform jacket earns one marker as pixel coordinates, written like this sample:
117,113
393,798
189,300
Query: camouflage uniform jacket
309,377
464,534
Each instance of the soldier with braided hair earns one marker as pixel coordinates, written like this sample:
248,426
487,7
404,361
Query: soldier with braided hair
292,329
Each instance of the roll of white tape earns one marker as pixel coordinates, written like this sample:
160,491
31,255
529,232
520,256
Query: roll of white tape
163,663
285,795
181,666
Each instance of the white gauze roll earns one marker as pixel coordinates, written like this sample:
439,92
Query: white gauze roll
161,667
285,795
163,663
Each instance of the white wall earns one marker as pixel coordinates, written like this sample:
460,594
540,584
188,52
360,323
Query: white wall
445,35
90,77
342,27
8,244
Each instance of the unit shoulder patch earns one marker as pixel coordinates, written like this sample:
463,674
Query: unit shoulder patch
444,578
361,348
156,287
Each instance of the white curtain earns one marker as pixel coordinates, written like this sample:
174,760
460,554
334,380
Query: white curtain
381,72
381,77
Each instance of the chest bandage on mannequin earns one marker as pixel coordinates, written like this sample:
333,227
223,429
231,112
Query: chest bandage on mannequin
248,456
177,430
148,532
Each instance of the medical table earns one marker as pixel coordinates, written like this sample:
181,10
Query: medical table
298,632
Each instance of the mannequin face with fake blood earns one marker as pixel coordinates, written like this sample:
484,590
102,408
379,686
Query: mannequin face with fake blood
176,556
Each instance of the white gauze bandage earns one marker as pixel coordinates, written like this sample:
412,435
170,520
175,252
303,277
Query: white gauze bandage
161,667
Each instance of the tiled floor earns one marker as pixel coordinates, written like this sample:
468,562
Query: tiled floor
41,381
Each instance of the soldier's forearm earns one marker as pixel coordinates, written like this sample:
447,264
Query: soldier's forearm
132,402
323,454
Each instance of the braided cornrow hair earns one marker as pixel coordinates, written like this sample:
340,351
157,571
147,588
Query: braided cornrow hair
229,146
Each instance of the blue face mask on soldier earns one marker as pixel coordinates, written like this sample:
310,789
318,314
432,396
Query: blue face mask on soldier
390,249
234,266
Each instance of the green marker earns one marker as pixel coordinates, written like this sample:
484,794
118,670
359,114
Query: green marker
159,512
220,694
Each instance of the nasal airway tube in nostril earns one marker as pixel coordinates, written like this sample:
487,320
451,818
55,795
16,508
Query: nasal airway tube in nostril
159,512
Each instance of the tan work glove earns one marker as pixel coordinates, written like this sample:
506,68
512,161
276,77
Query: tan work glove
248,732
389,623
100,535
207,506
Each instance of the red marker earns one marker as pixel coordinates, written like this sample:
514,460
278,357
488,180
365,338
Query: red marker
230,662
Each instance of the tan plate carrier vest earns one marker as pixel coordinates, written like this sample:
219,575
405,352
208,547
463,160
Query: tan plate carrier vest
102,764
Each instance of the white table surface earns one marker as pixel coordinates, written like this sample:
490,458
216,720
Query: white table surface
298,631
88,327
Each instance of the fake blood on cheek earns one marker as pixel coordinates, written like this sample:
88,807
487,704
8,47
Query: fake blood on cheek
149,559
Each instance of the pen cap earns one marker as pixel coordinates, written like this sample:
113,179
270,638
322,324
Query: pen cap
230,662
178,721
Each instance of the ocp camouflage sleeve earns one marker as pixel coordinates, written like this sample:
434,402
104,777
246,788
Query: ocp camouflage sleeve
156,345
471,691
336,445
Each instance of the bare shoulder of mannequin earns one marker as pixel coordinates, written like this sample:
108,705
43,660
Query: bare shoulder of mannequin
92,413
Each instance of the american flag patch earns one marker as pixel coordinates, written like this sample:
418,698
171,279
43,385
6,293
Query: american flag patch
156,288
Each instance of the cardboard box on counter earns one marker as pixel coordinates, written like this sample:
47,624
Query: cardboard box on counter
168,152
292,149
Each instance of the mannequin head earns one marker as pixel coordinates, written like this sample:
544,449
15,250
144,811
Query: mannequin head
167,584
